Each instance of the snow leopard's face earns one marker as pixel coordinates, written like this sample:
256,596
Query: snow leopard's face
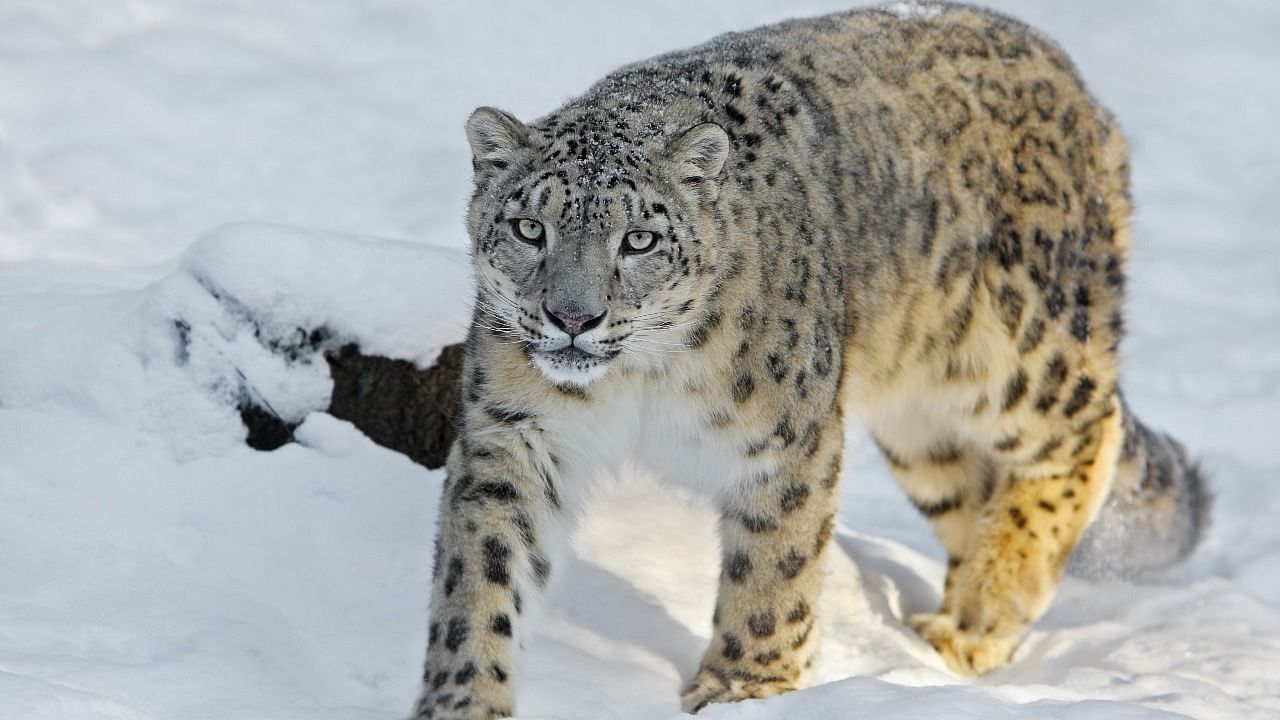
590,238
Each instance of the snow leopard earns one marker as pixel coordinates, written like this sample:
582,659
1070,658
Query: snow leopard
915,216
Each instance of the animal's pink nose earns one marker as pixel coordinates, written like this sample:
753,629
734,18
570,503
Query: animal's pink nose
571,323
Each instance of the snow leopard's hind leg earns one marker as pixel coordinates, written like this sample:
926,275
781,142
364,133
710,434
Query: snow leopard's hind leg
948,482
1020,544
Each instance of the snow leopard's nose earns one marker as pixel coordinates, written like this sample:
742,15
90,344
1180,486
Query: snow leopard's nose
571,323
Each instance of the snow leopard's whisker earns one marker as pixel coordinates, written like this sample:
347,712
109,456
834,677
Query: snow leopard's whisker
492,312
495,328
661,326
656,331
488,285
642,346
510,339
640,338
495,317
661,314
650,316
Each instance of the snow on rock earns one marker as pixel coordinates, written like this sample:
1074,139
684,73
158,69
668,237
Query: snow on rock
913,9
399,300
244,316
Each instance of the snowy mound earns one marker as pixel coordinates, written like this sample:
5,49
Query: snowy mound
242,319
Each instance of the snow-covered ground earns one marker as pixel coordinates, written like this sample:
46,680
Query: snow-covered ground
154,568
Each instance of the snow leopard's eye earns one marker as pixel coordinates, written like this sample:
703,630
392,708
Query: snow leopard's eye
639,241
527,230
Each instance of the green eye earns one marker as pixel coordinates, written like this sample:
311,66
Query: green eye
639,241
527,230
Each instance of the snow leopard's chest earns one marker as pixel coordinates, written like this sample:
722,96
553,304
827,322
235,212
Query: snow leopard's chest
646,426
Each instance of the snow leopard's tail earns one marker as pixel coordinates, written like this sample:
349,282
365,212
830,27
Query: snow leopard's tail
1157,510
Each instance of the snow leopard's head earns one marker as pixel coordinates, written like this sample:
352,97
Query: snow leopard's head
592,235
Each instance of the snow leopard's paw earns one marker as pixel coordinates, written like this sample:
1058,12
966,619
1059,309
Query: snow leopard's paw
713,685
966,653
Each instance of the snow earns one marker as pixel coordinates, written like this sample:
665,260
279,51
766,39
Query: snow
913,9
152,566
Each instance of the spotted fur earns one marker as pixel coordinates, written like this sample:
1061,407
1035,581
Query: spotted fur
918,219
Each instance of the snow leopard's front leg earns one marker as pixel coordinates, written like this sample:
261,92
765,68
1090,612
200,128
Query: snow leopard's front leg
499,496
773,531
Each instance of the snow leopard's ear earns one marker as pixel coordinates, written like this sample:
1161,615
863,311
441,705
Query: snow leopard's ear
498,140
696,159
